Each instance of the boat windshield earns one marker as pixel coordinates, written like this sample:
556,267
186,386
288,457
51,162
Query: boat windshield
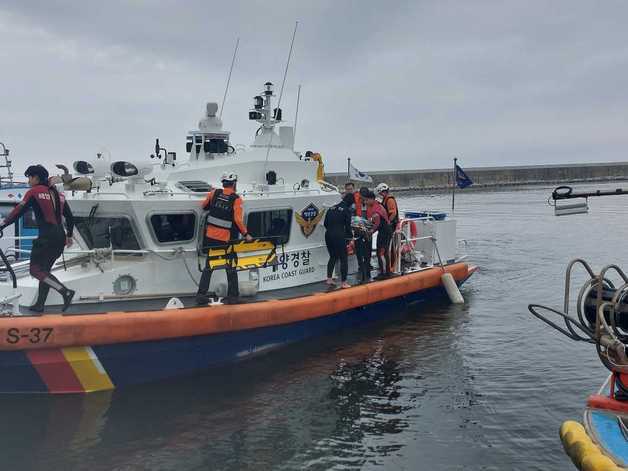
103,232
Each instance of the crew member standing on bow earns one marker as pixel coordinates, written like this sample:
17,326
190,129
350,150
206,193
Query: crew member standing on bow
49,208
390,203
377,215
224,223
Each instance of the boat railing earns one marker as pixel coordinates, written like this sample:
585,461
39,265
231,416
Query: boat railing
7,267
175,193
282,192
404,242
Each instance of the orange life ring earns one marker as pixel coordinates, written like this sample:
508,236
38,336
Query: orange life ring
409,245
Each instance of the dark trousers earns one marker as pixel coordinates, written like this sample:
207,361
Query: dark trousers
206,276
47,248
383,249
363,249
337,248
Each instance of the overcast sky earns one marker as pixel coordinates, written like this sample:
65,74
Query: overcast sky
393,85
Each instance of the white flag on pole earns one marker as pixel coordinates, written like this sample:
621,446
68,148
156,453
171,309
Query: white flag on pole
356,175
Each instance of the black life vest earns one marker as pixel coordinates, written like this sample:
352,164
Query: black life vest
221,211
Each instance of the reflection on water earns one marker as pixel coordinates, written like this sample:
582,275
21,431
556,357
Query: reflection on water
478,386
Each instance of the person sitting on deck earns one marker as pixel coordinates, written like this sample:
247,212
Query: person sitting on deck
224,223
49,207
378,216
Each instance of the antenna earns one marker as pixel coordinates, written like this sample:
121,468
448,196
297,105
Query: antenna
285,73
224,98
296,116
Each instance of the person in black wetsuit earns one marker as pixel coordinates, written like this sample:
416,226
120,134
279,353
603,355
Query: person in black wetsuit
363,243
49,208
338,225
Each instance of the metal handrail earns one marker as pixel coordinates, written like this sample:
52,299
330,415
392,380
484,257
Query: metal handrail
288,192
7,265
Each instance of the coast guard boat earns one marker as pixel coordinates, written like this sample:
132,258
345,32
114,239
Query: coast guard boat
139,255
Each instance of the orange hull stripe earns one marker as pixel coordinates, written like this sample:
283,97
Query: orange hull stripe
103,329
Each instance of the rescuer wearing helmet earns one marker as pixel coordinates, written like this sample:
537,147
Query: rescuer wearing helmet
49,208
224,223
390,203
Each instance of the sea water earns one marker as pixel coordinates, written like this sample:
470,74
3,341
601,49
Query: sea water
482,386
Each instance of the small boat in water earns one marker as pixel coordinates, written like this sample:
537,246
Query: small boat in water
140,230
602,320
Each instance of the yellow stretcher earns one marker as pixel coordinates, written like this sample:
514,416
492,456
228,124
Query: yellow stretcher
243,255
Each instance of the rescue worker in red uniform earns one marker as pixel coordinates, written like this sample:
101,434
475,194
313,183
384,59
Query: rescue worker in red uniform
224,223
376,213
49,208
356,205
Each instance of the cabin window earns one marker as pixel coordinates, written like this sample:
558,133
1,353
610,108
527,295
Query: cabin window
173,227
102,232
274,223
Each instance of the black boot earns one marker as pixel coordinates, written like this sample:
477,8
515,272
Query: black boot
42,294
67,294
366,274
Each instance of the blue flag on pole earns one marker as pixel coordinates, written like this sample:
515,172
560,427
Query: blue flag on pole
462,179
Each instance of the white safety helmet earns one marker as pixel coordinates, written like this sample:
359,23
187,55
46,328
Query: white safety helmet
381,187
229,177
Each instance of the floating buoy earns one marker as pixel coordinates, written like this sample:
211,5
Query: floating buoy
452,288
598,462
568,426
585,454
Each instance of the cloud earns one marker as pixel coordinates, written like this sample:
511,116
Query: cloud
395,85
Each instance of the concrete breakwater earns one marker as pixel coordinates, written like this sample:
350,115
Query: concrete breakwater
490,177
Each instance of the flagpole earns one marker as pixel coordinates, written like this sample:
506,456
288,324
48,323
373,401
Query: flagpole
453,188
348,168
